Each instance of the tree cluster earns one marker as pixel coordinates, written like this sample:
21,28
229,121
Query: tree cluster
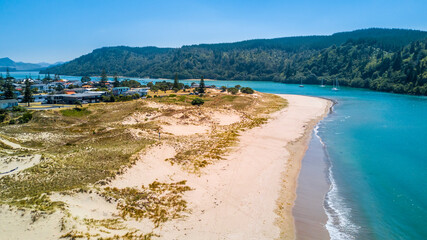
391,60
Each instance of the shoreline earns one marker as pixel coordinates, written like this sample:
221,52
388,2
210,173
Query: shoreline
243,196
313,185
297,150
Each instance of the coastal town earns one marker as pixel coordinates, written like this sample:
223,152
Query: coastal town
50,93
55,92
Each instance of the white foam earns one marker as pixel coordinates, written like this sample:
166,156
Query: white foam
339,224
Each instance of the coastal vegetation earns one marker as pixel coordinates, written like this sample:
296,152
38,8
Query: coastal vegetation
16,114
77,149
391,60
158,201
82,150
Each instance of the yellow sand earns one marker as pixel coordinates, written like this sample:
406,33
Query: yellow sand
249,195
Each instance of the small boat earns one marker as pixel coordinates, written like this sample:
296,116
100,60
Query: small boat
323,85
301,84
335,86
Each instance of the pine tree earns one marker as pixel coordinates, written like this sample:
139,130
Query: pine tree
8,77
116,82
104,78
9,90
28,95
175,86
202,85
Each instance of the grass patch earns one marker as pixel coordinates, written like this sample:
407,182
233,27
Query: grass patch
75,112
128,236
82,151
159,202
39,203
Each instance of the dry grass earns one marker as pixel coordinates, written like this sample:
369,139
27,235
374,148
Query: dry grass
203,151
159,202
82,150
128,236
90,148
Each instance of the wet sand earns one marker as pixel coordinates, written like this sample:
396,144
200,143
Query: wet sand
309,214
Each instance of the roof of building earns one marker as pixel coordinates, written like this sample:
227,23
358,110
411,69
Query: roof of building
141,88
8,101
77,95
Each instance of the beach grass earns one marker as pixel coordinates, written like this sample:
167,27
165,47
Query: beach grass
86,147
159,202
75,112
204,151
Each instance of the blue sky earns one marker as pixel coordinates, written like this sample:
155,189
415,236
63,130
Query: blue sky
50,31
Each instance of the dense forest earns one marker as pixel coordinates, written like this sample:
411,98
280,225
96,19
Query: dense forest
391,60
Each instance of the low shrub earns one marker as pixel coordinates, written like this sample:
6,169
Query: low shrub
247,90
18,109
26,117
3,117
197,102
233,90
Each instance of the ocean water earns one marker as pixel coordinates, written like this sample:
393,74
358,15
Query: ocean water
376,145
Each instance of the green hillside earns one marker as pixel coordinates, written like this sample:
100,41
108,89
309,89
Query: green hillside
392,60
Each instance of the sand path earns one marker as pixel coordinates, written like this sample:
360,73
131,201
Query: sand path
12,165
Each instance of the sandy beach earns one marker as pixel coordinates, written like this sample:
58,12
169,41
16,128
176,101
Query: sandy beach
247,195
250,194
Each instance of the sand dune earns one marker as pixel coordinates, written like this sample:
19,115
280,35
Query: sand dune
237,198
248,195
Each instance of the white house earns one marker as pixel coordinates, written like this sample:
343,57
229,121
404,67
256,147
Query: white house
140,91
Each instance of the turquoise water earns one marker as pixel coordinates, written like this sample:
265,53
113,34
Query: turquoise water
377,147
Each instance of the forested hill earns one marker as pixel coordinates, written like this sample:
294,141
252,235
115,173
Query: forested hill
392,60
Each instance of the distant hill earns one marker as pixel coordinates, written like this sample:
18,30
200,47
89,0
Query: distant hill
21,66
358,58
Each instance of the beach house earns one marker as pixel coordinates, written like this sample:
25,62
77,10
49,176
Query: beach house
140,91
120,90
74,98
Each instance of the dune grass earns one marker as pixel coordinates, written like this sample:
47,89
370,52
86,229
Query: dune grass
202,152
75,112
159,202
89,148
